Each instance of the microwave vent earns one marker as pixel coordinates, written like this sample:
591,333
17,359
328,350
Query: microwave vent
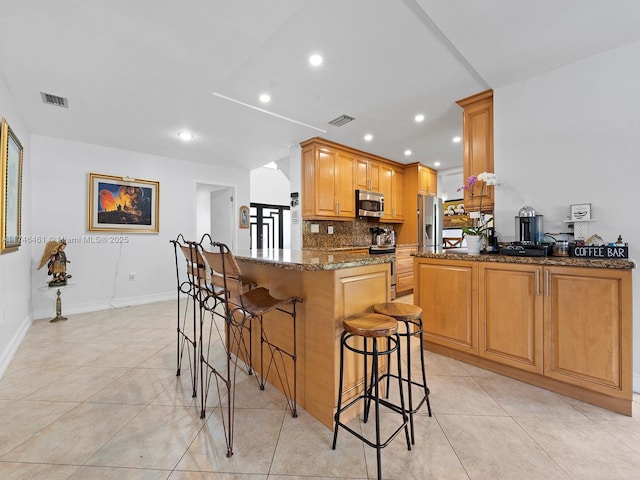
50,99
341,120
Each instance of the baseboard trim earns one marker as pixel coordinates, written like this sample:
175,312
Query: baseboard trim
14,344
97,306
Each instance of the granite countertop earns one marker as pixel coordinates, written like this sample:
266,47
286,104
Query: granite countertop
559,261
311,260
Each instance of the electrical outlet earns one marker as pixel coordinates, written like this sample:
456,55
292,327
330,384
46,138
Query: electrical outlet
315,228
132,276
330,229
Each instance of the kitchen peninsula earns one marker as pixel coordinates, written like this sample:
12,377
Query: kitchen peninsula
560,323
334,285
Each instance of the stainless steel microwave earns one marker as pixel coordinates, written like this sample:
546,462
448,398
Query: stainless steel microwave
369,204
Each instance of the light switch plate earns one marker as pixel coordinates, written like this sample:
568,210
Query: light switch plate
315,228
330,229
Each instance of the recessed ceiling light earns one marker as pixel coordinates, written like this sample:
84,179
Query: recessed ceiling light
186,136
265,98
315,60
419,118
456,139
368,137
436,164
407,152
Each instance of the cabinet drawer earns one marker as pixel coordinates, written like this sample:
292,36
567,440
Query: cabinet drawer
404,283
404,265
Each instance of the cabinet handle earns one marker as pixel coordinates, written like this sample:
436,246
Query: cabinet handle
546,283
537,282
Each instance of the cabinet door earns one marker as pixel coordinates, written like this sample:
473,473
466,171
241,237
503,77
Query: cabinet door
447,292
398,195
432,182
385,184
477,130
345,194
588,328
325,183
510,316
362,175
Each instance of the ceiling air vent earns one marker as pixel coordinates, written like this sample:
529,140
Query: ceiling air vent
341,120
54,100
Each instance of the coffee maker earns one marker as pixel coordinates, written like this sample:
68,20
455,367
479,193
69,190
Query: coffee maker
529,229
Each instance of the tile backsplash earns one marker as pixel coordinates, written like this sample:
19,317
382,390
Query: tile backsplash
345,234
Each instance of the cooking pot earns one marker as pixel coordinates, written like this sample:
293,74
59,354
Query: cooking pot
561,248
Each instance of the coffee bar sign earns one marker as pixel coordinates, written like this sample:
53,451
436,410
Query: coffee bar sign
600,251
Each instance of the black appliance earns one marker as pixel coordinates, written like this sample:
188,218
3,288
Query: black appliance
529,226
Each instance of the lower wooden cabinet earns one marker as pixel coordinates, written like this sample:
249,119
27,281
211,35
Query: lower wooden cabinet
447,292
510,315
587,328
564,328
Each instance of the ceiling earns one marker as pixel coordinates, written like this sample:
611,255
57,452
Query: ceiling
136,72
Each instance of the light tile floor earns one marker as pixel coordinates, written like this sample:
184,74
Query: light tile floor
96,397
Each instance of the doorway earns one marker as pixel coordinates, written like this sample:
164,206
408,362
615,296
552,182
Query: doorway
270,226
214,213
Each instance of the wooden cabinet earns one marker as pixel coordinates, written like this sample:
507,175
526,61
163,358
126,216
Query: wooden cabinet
391,185
477,136
510,315
368,174
427,181
331,173
587,328
566,328
418,179
328,177
447,292
404,269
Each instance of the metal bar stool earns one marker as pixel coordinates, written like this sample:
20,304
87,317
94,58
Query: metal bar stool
371,326
191,287
244,306
411,316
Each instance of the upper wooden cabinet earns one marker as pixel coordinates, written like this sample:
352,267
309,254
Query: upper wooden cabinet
477,135
368,175
327,183
331,173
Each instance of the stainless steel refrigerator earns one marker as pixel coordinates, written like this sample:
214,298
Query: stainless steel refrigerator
429,223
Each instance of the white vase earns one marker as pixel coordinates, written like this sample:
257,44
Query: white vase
474,244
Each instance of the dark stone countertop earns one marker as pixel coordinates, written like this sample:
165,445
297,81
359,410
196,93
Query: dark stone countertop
558,261
311,260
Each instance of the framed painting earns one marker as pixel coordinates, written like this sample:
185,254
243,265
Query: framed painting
123,204
11,201
581,212
244,217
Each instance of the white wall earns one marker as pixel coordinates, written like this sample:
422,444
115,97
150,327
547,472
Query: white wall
101,268
15,272
571,136
269,185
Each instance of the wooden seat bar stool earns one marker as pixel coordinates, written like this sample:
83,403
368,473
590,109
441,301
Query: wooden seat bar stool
243,306
411,316
371,326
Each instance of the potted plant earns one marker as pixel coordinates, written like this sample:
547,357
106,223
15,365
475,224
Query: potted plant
476,234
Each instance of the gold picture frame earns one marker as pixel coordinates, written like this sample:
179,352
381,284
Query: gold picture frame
123,204
11,200
245,217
